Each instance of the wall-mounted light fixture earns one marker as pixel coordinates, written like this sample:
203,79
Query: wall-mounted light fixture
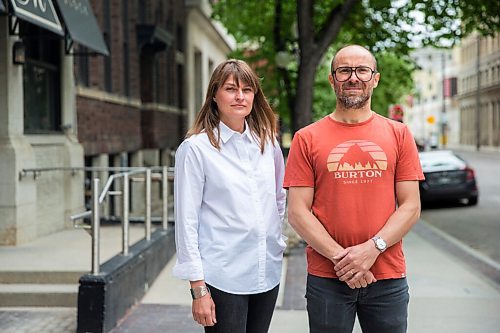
19,53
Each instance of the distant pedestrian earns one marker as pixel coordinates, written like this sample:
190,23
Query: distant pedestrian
229,205
353,194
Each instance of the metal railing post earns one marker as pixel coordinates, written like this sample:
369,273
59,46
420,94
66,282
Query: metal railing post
147,206
125,213
96,226
98,197
164,180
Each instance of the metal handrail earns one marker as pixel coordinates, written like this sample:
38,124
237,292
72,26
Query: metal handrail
98,199
80,216
111,178
38,171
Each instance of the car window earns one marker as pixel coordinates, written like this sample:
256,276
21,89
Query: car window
435,161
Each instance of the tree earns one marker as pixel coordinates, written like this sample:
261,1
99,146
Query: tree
266,28
396,80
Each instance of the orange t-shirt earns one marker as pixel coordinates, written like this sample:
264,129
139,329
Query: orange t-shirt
353,169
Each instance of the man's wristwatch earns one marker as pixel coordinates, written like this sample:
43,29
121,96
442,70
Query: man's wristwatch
199,292
380,244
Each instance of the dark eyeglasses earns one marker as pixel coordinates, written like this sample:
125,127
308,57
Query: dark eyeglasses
363,73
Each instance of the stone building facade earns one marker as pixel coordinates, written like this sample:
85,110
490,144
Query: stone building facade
479,92
433,116
458,88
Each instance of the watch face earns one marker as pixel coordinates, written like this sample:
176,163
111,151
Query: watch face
381,244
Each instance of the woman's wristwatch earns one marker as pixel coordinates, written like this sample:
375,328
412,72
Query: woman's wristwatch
199,292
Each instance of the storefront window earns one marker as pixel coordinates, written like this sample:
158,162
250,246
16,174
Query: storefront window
41,81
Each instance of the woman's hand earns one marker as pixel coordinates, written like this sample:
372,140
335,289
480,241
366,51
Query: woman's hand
204,311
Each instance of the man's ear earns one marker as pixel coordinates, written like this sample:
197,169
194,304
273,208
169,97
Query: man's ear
330,78
376,78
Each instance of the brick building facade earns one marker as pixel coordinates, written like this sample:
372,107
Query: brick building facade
133,99
101,83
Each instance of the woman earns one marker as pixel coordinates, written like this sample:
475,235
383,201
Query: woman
229,205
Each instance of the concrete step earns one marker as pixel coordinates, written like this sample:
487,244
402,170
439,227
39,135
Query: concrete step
40,277
46,295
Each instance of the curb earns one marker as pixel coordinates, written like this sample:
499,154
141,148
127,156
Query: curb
481,264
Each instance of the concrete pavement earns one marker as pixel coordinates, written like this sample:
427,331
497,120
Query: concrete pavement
447,293
446,296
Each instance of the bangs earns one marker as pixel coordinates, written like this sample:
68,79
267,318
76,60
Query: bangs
241,75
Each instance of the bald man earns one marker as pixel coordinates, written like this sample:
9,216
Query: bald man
352,180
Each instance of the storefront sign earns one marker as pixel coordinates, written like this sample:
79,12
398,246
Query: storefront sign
38,12
82,25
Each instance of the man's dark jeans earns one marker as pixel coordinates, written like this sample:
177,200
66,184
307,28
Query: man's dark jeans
382,307
242,313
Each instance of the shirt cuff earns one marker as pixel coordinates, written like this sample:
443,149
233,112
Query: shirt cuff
191,271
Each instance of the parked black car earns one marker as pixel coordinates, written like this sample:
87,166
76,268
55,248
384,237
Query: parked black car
448,177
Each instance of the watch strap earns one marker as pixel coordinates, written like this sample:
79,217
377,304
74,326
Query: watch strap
199,291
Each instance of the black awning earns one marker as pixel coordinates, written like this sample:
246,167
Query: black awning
153,37
82,25
40,13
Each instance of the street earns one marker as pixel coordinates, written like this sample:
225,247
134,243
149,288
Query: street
478,226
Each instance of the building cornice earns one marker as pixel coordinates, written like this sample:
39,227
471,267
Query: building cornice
135,103
482,90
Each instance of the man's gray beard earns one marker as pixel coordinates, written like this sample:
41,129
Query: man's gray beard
356,102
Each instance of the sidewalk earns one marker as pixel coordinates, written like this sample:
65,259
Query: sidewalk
445,297
446,294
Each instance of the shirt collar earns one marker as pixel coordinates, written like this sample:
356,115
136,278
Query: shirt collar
226,133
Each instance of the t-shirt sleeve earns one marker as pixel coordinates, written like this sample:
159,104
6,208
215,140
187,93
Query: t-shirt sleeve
299,169
408,166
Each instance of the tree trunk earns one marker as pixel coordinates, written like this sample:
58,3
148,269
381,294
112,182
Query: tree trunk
312,47
302,111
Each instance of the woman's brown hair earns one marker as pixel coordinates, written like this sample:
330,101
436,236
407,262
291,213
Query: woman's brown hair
261,120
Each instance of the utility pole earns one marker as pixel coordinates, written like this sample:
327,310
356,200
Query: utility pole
478,100
444,138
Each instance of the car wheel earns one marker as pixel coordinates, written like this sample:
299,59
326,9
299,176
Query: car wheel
472,201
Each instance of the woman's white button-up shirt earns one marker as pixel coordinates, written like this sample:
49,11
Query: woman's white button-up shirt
229,208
